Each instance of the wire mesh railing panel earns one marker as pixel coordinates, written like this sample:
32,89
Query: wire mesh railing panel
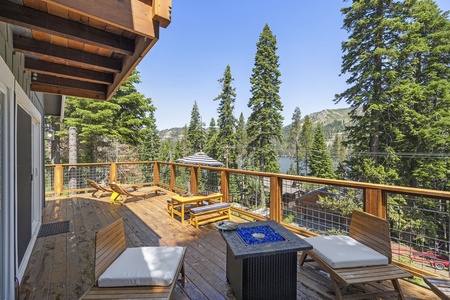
135,173
75,176
250,193
164,174
319,208
420,229
183,178
49,179
209,181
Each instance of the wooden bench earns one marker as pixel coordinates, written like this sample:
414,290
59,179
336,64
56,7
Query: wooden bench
210,213
110,243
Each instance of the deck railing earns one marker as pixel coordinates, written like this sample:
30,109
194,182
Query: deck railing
420,218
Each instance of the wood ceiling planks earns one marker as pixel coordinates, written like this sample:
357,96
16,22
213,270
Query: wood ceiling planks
85,48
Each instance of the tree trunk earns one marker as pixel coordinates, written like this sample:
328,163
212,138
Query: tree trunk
72,157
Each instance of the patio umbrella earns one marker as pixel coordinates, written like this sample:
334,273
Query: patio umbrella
200,158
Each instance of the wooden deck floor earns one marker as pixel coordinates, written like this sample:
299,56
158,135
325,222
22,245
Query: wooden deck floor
61,266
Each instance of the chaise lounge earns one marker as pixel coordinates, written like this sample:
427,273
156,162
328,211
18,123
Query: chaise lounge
363,256
141,193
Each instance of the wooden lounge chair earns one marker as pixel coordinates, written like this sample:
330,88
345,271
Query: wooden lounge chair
110,248
140,193
363,256
98,188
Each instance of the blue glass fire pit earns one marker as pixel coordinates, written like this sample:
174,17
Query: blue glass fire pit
250,235
263,268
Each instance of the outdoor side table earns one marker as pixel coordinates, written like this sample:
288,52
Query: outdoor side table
263,271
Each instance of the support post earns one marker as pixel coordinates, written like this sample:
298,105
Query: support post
156,173
113,172
224,185
375,202
58,180
172,177
275,199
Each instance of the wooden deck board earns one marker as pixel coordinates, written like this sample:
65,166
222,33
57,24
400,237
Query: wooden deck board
61,266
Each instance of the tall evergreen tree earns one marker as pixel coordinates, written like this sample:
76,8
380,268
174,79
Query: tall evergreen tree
369,59
126,118
213,147
195,134
151,142
306,139
421,99
165,152
226,121
265,123
320,164
241,142
294,137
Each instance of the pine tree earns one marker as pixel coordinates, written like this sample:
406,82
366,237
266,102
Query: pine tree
165,152
151,142
369,59
294,137
320,164
100,124
213,148
195,134
265,123
226,121
422,97
306,139
241,142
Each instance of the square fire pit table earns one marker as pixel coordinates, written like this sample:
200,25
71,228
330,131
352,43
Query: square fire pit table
263,267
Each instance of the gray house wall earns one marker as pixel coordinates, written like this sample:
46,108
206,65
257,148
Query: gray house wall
9,217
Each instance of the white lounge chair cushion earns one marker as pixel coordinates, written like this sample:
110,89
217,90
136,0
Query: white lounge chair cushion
143,266
345,252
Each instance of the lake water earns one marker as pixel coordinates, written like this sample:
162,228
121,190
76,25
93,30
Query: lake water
285,163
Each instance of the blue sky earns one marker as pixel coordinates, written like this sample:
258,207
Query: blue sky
207,35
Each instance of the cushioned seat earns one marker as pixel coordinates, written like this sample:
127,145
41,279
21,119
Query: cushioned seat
345,252
216,206
143,266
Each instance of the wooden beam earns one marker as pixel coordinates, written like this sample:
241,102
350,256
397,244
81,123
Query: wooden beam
44,88
143,45
49,68
132,15
64,82
162,11
44,22
43,49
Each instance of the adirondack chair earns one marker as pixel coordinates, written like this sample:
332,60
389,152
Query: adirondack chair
361,257
133,273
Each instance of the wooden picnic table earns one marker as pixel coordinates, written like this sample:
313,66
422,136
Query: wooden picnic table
181,201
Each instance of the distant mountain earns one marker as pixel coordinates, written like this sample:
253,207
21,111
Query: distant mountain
333,122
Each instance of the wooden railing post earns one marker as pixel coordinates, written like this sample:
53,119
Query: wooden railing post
172,177
113,172
58,180
375,202
156,171
275,198
194,180
224,185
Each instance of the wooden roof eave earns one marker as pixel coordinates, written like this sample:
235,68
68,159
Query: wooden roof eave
72,57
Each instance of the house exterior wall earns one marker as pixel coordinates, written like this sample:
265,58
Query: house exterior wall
14,92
